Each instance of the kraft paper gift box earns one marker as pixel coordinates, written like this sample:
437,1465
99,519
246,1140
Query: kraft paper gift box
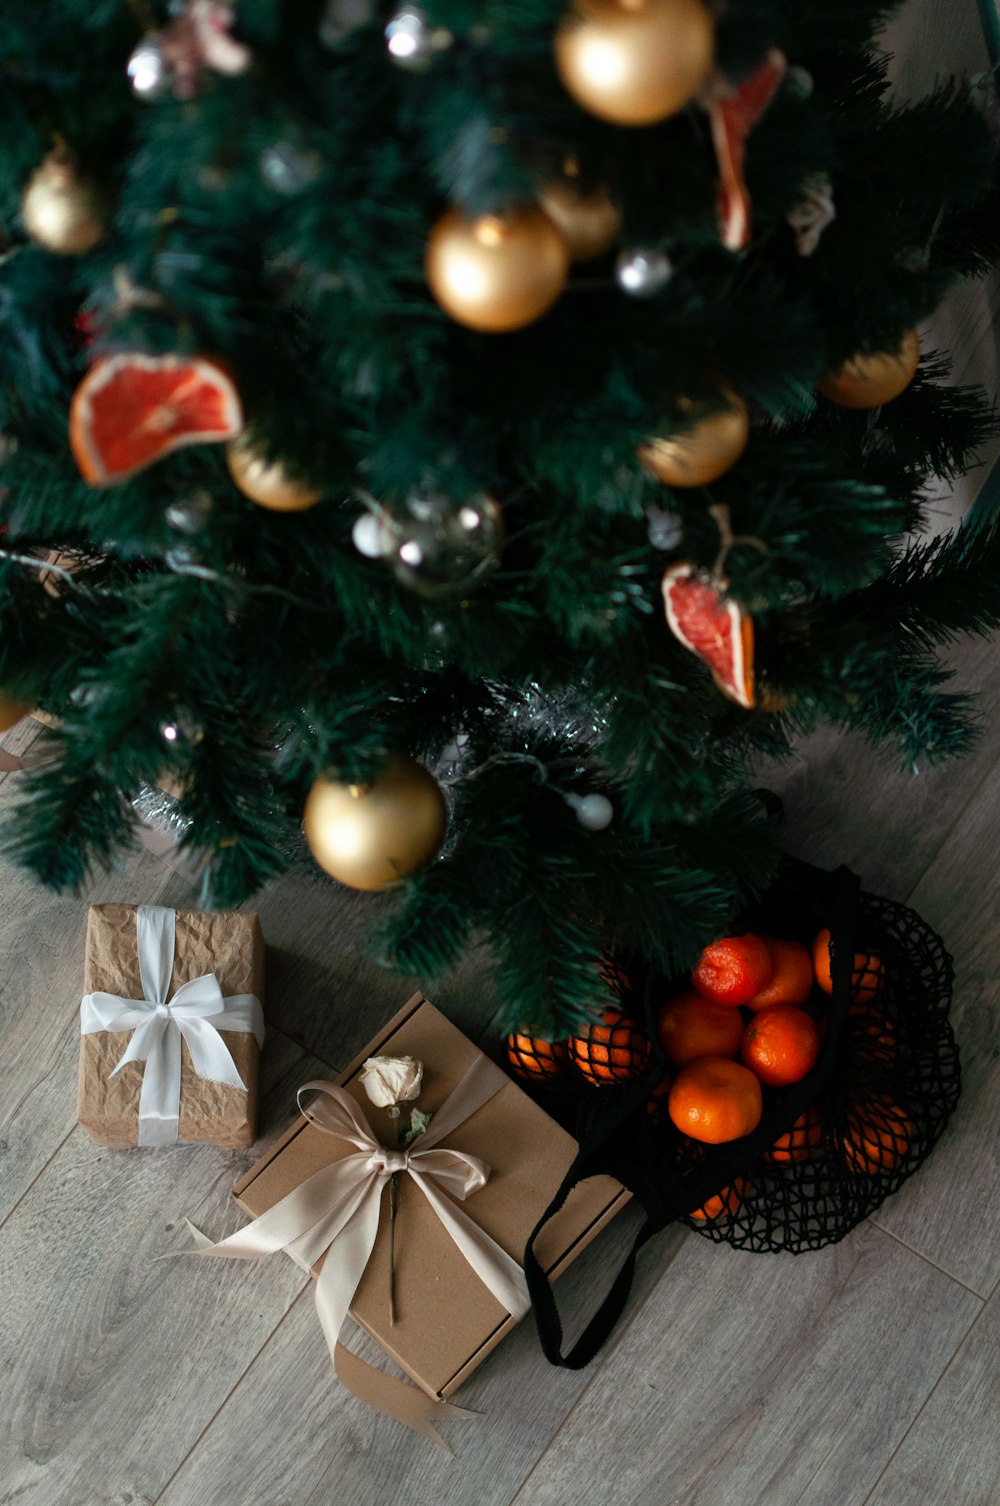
447,1322
228,945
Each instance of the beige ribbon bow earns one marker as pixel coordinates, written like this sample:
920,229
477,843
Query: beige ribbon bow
336,1211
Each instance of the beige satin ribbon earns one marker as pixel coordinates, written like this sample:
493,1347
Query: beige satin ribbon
336,1211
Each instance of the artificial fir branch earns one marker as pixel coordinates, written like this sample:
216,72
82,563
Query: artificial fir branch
279,653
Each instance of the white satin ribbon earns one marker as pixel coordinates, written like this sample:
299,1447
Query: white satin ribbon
196,1014
336,1211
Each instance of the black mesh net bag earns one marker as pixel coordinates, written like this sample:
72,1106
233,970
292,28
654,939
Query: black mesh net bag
828,1149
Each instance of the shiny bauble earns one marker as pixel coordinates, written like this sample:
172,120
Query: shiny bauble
590,222
705,451
412,40
498,272
266,482
370,836
61,209
634,62
150,71
642,272
869,381
11,712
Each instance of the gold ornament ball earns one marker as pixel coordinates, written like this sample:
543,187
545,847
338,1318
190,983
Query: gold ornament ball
266,482
704,452
61,210
590,222
498,272
634,62
868,381
11,712
372,835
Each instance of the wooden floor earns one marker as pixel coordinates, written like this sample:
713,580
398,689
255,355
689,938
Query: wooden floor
865,1375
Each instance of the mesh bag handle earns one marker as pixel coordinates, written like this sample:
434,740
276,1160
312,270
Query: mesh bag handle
723,1163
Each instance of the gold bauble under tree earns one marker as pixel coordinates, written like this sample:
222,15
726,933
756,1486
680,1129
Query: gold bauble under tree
370,836
498,272
266,482
11,711
590,220
704,452
635,62
868,381
61,209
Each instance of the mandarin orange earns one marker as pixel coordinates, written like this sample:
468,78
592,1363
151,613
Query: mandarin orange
691,1026
799,1142
533,1058
726,1201
714,1099
780,1045
878,1134
868,974
732,970
612,1049
791,977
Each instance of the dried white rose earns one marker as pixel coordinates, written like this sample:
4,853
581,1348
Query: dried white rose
389,1080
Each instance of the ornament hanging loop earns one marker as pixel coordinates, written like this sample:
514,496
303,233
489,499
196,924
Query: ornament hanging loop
719,513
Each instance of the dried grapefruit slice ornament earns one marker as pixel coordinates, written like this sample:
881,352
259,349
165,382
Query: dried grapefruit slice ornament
130,410
709,623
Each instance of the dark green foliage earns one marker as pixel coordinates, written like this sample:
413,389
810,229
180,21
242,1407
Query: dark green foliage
276,651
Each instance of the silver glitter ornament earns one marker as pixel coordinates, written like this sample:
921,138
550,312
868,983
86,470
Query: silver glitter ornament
190,515
288,170
436,547
663,529
412,41
150,70
642,273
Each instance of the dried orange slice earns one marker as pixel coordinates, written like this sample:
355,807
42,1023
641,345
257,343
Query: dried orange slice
130,410
709,623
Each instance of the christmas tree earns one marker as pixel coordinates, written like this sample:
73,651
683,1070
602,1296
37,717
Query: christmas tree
480,430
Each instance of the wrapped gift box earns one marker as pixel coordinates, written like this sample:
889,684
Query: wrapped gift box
231,946
447,1322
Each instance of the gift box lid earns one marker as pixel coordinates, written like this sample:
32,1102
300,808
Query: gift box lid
447,1321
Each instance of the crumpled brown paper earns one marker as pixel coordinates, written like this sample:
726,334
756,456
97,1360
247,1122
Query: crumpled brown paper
230,945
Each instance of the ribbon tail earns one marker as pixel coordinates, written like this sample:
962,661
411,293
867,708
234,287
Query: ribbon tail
160,1095
201,1240
343,1268
396,1398
210,1056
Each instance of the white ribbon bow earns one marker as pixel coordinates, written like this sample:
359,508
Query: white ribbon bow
336,1211
196,1014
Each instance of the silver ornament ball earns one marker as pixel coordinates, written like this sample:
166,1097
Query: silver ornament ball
288,170
642,273
369,538
799,82
412,41
191,514
149,70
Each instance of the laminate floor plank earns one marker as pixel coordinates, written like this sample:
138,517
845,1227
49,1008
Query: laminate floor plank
328,992
291,1436
761,1381
950,1452
948,1212
846,802
115,1362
